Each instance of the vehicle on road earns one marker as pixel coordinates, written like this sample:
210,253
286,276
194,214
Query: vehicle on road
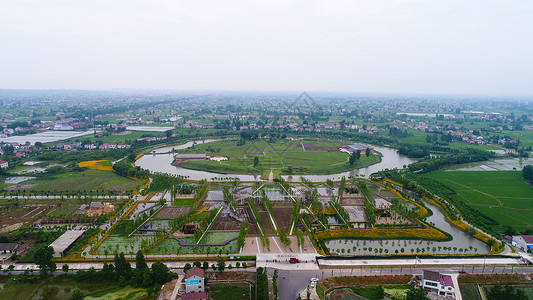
312,284
314,279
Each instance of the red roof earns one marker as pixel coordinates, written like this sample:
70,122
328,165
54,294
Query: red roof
194,271
194,296
528,239
446,280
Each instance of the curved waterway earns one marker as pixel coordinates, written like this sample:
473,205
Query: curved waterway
460,240
160,160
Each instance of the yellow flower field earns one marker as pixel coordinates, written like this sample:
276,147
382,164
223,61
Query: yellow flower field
95,165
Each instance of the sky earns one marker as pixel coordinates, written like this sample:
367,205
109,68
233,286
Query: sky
388,46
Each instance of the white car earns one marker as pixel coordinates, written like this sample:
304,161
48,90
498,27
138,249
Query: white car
312,284
314,279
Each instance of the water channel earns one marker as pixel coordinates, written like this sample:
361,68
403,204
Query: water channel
161,161
460,240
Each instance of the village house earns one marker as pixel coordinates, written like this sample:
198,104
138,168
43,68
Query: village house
438,284
194,284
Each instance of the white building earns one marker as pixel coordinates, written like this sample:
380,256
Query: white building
4,164
524,242
194,280
438,284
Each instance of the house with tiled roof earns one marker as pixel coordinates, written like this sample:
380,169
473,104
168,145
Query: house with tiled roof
438,284
524,242
194,281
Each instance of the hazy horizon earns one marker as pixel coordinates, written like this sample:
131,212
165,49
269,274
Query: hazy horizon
411,47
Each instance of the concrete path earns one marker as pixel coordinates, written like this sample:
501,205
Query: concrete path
175,293
458,295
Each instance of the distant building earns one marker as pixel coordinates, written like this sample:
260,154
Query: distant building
353,148
438,284
8,248
4,164
194,281
185,157
524,242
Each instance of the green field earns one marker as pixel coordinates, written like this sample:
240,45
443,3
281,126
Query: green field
87,180
470,291
119,244
57,289
285,155
501,195
219,291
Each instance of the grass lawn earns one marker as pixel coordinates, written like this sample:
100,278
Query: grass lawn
284,156
19,291
57,288
87,180
224,291
182,202
117,293
470,291
501,195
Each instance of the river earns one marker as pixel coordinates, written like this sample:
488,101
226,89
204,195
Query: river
161,161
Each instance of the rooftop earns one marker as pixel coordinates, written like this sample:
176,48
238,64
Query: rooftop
431,275
182,156
194,296
65,240
528,239
8,246
194,271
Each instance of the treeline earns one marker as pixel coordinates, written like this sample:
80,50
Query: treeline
457,156
77,156
262,290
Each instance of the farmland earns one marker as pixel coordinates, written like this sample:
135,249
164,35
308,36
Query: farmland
289,157
501,195
86,180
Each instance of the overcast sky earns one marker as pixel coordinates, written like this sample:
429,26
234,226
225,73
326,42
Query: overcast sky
424,46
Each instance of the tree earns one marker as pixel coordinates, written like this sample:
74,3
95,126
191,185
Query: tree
65,268
416,294
160,273
205,266
380,291
197,264
43,258
221,264
256,161
508,292
122,267
142,276
77,294
187,267
527,172
168,133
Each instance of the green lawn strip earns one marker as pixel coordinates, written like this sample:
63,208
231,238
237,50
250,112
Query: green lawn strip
182,202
